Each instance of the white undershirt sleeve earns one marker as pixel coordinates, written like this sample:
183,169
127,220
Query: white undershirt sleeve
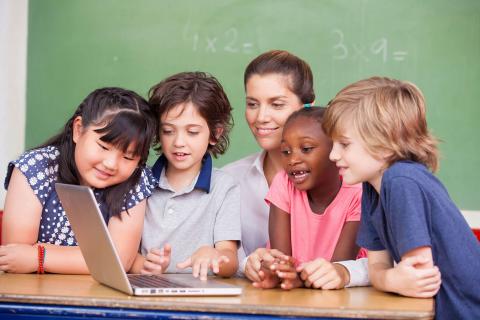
358,270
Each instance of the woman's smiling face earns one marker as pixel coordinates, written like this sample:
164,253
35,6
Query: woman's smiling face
269,102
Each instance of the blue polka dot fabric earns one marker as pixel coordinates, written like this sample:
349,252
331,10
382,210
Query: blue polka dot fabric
40,167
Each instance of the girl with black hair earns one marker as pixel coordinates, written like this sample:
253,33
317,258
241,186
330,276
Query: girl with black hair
105,146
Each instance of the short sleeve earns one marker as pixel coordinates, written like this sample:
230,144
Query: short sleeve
40,168
227,222
367,236
142,190
278,194
406,211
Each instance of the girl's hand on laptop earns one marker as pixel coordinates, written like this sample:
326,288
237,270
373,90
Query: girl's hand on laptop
202,260
18,258
157,260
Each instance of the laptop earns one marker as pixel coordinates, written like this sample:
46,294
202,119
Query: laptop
104,264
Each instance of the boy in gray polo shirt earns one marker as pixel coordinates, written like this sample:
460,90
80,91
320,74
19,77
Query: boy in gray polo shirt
193,216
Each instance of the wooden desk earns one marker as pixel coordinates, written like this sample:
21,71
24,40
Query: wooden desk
69,295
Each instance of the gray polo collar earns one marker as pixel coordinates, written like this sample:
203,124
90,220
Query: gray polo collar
204,178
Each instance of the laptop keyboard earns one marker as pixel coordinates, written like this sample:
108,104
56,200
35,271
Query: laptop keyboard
152,281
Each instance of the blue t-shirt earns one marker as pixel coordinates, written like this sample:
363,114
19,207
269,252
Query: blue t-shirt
40,167
415,210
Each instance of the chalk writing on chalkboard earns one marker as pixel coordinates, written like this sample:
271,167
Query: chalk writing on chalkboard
224,41
357,51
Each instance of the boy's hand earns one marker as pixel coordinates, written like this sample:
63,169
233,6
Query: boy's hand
322,274
202,260
157,260
410,278
19,258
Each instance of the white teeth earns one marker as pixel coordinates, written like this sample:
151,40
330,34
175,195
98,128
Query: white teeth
264,130
299,173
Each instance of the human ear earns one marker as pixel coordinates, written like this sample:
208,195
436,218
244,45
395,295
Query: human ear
386,154
218,134
77,128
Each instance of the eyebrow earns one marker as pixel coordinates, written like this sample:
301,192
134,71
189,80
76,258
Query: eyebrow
188,125
272,98
303,139
341,136
307,139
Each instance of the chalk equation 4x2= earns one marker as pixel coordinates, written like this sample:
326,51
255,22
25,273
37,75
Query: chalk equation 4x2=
227,41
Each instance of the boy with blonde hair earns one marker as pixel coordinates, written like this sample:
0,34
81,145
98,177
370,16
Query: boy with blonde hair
381,138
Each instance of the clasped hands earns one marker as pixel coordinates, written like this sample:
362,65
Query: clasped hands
270,268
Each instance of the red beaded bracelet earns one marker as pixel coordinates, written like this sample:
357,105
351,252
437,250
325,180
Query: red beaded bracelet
41,259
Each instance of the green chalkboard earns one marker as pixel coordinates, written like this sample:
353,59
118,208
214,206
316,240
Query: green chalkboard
77,45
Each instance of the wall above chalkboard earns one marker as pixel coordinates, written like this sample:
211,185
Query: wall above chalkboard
77,45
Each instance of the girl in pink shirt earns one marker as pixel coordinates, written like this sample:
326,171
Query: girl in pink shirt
312,213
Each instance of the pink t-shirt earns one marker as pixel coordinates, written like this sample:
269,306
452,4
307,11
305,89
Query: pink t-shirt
314,235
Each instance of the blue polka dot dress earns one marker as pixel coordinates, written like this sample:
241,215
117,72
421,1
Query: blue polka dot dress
40,167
